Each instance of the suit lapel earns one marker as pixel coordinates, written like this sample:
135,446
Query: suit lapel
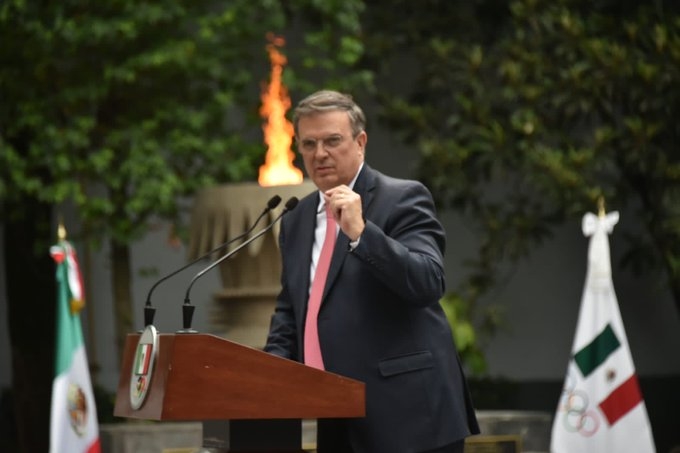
303,229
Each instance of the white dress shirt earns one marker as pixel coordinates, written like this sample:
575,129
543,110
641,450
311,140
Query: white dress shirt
320,231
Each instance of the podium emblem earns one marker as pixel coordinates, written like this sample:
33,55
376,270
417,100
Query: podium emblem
143,366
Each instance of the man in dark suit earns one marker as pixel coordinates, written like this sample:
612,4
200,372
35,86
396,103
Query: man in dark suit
378,318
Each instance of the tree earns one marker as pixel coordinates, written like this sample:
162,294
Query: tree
524,117
120,108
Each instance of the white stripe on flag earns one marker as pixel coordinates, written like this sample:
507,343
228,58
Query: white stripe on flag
68,432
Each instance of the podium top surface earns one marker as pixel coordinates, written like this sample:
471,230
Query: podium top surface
203,377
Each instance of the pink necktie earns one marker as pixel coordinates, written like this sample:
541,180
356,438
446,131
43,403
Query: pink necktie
312,348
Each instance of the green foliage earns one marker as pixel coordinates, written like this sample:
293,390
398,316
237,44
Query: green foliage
119,107
331,44
469,337
123,107
525,116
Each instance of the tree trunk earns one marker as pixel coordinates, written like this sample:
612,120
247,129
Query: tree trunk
122,298
31,302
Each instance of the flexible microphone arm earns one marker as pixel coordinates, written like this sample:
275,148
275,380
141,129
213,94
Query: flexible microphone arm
150,310
187,308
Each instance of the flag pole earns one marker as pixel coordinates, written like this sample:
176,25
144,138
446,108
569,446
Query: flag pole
61,229
600,207
94,365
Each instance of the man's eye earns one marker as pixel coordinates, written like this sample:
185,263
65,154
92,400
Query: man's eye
332,141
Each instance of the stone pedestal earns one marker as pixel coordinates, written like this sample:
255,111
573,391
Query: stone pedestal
251,278
532,427
243,315
150,437
170,437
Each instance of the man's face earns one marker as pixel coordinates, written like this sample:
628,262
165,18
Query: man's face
331,154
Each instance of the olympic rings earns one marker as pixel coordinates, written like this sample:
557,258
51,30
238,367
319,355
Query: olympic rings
576,415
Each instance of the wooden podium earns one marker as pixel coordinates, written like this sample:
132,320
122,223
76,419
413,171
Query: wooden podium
247,399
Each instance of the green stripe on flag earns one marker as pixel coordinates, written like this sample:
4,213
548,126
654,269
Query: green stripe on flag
69,332
597,351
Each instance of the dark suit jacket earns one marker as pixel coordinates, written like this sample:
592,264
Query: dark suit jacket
380,321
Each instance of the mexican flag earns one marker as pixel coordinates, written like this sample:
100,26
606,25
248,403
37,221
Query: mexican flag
601,408
73,421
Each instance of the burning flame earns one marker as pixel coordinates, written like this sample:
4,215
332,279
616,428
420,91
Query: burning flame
278,131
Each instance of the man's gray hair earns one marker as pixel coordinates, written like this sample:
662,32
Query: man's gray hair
330,101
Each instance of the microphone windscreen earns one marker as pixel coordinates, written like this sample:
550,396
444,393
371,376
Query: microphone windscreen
291,203
273,202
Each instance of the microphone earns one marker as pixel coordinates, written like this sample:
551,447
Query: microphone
187,308
150,310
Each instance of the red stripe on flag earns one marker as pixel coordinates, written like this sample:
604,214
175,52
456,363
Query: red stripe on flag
622,400
95,447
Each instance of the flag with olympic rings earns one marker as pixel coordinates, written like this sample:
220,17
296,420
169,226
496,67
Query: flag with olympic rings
601,408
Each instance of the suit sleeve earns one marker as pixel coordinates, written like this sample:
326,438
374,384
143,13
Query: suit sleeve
282,338
406,254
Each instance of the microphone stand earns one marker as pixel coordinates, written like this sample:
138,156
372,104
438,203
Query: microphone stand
150,310
187,307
